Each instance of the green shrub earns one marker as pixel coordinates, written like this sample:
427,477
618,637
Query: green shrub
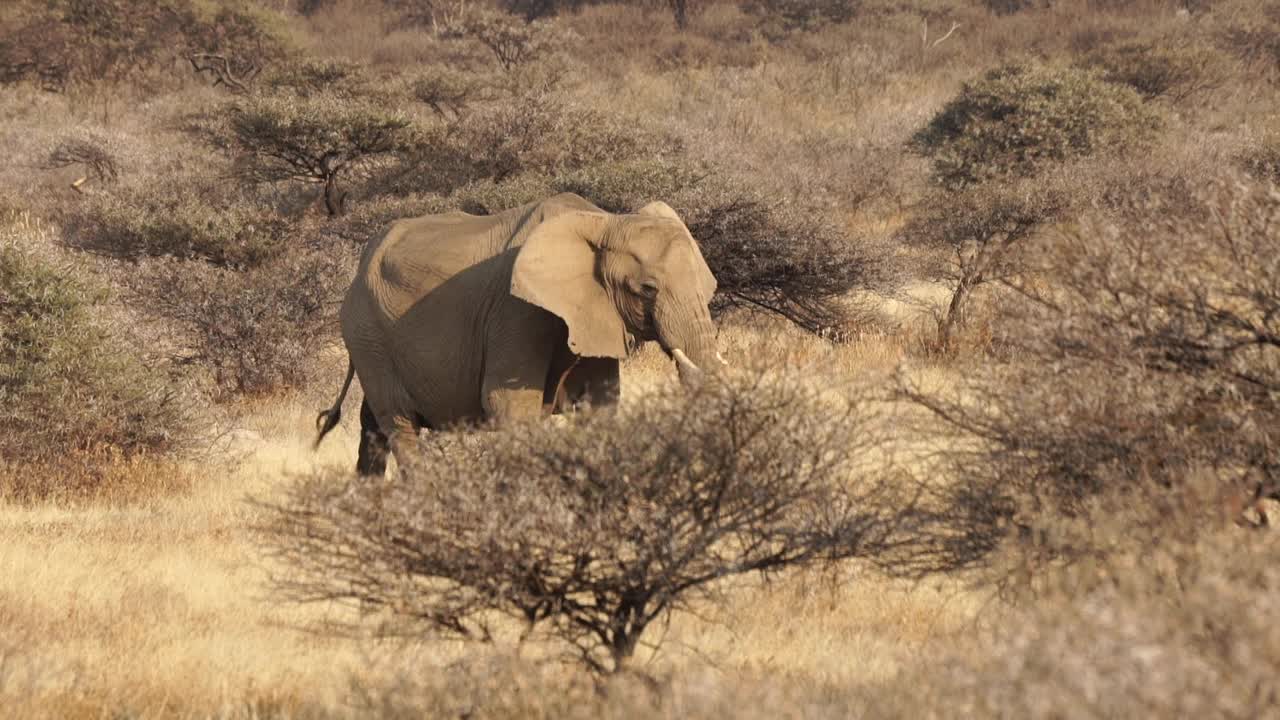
69,387
1174,67
1019,119
173,220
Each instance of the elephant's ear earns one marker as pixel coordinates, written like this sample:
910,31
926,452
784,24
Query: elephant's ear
706,281
556,270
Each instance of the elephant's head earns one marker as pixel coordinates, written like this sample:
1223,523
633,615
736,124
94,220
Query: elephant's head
610,276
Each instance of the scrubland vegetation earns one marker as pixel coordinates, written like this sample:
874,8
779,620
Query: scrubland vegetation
1000,281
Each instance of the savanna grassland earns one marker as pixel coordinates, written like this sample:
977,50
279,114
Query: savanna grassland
999,282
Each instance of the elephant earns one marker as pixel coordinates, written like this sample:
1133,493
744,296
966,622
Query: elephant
458,318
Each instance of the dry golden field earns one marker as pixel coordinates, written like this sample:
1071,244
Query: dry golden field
160,607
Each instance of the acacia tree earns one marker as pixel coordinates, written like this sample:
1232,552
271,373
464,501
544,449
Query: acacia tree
587,536
317,139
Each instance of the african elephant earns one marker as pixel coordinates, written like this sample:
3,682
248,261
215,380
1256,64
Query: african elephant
458,317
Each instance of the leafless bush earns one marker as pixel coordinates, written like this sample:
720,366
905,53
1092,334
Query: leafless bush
254,332
92,151
984,228
588,536
1145,364
1175,67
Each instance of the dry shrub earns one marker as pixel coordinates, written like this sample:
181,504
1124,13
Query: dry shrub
587,536
548,132
1144,367
72,393
781,257
1250,30
88,41
1174,67
983,229
320,137
1263,159
790,15
1188,629
1020,118
195,221
92,150
513,42
254,332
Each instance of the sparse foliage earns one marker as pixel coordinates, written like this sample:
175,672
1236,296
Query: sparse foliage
319,138
589,536
254,332
179,221
92,151
779,257
446,91
1145,365
984,228
512,41
1175,68
61,42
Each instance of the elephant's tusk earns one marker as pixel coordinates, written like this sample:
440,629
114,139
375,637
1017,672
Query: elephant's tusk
684,363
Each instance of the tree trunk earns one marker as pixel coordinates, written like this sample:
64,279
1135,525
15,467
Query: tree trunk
955,312
333,197
680,8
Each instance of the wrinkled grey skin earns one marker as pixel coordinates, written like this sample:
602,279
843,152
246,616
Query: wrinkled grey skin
457,317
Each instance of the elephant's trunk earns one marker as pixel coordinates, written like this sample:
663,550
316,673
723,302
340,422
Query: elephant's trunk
686,333
696,357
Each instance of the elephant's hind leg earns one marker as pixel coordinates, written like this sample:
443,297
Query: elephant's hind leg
374,445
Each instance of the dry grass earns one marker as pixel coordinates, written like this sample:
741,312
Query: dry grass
159,608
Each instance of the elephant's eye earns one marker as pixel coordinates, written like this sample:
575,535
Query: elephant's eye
646,288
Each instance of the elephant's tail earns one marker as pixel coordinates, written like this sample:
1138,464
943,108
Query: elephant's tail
328,419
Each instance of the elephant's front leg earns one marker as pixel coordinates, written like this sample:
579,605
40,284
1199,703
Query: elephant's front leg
513,394
514,381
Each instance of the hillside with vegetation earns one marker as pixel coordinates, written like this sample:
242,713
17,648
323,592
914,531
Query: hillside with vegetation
999,282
